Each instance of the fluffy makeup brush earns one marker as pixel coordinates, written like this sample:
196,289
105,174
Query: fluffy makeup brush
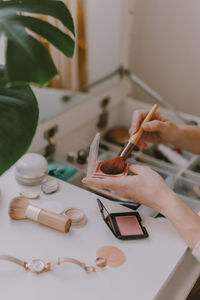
117,164
20,208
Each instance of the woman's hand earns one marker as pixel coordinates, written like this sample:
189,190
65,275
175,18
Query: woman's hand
158,131
146,187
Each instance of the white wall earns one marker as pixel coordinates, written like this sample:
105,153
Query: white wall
166,50
104,37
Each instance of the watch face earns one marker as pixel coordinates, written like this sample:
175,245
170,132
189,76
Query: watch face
36,266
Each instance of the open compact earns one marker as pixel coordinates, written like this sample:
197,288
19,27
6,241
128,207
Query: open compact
93,170
94,165
124,225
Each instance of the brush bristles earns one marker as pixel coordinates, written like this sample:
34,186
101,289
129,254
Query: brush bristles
113,166
18,207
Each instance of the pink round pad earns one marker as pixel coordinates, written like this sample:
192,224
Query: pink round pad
114,256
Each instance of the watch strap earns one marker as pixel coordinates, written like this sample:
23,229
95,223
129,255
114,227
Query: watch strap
60,260
57,261
13,259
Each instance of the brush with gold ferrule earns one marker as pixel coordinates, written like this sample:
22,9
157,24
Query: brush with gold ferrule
117,164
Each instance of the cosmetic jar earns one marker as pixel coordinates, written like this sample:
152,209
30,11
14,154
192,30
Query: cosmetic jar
31,169
76,215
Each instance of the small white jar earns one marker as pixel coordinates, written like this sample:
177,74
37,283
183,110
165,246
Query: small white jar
31,169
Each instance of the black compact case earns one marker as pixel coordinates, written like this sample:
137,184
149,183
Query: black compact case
113,222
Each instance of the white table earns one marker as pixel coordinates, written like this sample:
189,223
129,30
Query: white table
156,267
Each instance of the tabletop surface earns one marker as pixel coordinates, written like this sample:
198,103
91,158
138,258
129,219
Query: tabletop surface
149,262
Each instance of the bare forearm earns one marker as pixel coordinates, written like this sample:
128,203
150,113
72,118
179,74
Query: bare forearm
188,138
184,220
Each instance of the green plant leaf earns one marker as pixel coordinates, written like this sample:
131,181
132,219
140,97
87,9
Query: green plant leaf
59,39
27,60
56,9
18,121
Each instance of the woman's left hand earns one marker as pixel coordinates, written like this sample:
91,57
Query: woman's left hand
145,186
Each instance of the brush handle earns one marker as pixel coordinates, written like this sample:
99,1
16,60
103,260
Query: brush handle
53,220
134,139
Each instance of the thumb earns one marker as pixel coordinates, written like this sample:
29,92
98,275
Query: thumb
153,126
136,169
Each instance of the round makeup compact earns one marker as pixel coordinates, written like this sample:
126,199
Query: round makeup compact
77,216
113,255
31,169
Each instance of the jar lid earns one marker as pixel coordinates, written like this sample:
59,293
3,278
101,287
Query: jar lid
31,165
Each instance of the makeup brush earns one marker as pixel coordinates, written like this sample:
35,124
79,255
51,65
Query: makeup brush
117,164
20,208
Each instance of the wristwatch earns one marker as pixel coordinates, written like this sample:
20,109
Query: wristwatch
38,266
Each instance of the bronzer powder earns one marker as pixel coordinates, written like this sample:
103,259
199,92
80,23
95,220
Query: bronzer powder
128,225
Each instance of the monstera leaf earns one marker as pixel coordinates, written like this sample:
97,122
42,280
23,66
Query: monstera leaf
27,60
18,121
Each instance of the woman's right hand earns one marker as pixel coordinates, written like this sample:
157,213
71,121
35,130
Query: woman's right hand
159,130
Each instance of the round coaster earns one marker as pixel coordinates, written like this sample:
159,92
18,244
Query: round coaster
50,187
29,194
76,215
114,256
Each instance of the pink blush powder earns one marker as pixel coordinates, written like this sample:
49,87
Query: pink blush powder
128,225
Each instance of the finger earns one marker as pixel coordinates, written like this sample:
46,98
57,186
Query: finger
108,183
153,126
136,169
160,117
138,117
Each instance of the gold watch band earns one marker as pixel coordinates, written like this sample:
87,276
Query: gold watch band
38,266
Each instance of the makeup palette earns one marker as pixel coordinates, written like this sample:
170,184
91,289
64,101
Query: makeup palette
124,225
94,163
99,173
